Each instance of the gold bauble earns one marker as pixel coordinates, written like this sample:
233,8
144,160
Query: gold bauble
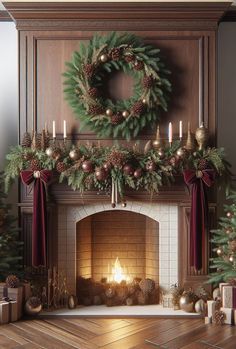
157,142
161,153
219,251
74,154
30,310
202,136
109,112
104,58
180,152
49,151
144,100
125,113
186,303
231,258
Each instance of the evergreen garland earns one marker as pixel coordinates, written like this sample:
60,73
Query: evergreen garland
90,67
95,167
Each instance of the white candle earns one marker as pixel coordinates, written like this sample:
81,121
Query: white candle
180,129
170,132
112,192
54,129
64,129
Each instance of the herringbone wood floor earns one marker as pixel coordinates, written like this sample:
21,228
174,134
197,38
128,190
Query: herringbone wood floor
94,333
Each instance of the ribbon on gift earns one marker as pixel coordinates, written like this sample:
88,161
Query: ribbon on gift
39,225
198,181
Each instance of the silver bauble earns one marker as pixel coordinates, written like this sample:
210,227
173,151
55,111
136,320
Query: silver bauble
200,306
186,303
104,58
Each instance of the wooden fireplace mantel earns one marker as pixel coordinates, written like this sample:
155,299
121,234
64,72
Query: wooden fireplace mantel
158,15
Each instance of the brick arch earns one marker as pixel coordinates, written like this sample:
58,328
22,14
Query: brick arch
165,214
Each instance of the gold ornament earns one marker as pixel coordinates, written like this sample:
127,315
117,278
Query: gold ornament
125,113
74,154
229,214
180,152
157,142
109,112
190,140
186,303
231,258
33,306
161,153
200,306
104,58
123,204
144,101
49,151
202,136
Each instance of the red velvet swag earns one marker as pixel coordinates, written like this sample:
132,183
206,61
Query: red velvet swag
198,181
40,179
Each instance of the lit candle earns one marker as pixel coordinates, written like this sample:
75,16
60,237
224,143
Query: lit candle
180,129
170,132
64,129
54,129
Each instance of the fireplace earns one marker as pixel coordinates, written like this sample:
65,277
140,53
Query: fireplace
144,236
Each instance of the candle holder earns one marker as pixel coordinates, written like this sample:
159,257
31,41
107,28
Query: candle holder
202,136
190,140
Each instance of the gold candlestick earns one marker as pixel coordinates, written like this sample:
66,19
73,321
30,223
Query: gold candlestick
202,136
190,139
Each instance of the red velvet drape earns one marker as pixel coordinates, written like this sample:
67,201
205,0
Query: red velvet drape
198,181
39,225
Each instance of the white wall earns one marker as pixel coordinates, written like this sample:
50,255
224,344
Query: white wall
8,88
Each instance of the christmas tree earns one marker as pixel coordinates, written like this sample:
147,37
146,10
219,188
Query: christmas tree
10,245
224,241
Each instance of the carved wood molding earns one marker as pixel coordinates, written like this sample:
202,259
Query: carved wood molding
171,15
5,17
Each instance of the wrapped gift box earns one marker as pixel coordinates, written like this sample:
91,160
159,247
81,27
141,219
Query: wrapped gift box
211,308
3,290
4,312
16,294
228,315
229,296
13,313
221,285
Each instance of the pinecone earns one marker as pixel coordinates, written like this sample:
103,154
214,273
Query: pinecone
26,141
129,58
36,141
12,281
34,302
61,167
115,53
35,165
88,70
218,317
138,65
93,92
147,81
117,119
147,286
116,158
202,164
138,108
95,109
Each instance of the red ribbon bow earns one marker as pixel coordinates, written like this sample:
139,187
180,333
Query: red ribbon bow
198,181
39,225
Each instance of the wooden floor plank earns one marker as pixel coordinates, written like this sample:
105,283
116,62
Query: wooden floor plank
91,333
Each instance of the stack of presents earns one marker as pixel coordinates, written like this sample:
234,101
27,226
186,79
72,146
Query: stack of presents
223,305
12,301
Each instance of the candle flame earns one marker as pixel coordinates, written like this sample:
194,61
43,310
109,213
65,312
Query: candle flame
117,272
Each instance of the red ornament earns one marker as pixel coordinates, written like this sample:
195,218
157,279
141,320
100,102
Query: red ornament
151,166
101,174
87,166
138,173
128,169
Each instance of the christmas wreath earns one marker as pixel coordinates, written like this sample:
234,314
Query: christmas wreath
89,69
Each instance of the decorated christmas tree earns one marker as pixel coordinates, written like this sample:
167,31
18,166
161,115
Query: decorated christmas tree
10,245
224,241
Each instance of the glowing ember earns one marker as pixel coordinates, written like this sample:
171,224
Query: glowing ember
117,273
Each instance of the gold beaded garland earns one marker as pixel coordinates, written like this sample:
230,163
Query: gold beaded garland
104,58
125,113
109,112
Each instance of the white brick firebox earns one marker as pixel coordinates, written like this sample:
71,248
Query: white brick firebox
165,214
